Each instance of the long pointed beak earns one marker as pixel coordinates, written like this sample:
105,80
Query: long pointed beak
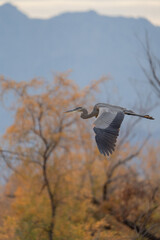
73,110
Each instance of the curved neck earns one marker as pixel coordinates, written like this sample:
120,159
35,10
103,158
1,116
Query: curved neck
86,115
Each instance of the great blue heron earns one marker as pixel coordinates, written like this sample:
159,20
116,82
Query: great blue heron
107,125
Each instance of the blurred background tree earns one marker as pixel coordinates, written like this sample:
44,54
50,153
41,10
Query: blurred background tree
60,187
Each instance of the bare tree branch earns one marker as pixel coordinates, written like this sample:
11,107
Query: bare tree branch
113,167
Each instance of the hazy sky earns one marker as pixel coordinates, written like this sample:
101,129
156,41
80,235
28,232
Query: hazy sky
149,9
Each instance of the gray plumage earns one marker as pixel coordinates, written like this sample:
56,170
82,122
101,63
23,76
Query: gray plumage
106,135
107,125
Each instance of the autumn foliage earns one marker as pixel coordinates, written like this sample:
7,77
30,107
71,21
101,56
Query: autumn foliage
59,186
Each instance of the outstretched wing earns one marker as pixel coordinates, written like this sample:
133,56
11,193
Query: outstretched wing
107,130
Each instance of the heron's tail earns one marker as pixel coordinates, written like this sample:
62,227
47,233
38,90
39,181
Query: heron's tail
129,112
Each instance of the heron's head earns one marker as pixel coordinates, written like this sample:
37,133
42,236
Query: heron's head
77,109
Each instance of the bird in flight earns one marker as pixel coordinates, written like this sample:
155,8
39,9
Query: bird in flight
107,124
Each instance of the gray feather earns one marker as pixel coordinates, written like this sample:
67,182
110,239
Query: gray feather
104,120
106,137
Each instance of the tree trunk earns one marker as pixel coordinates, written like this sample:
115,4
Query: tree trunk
51,197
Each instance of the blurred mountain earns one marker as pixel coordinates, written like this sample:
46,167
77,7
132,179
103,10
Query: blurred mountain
89,44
